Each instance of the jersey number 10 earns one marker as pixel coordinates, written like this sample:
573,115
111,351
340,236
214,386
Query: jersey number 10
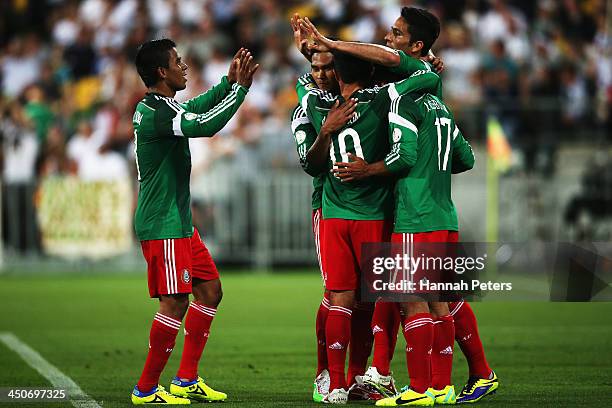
342,145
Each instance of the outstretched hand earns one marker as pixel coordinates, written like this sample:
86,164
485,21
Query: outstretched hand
299,36
232,74
355,169
320,42
245,68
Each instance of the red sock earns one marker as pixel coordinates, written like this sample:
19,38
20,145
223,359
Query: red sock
320,328
418,332
197,327
442,353
361,342
337,336
385,325
466,334
161,342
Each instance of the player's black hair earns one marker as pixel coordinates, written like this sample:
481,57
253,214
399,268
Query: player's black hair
384,75
422,26
351,69
150,56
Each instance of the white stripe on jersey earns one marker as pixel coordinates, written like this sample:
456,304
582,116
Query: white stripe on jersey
398,120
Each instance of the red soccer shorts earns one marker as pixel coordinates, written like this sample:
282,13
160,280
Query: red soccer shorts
317,231
410,246
341,249
173,263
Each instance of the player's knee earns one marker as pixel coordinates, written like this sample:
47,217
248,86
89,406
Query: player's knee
174,305
344,298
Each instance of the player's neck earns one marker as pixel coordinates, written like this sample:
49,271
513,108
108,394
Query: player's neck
349,89
162,89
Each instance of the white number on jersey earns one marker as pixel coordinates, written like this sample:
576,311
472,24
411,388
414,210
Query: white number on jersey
443,161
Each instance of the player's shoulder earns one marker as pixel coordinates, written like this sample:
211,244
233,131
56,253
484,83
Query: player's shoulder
299,119
427,70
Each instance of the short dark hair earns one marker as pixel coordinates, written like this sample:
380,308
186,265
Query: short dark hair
422,26
150,56
351,69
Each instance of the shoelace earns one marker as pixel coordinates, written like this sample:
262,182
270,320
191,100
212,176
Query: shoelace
471,384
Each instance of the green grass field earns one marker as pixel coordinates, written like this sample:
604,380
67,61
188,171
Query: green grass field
262,348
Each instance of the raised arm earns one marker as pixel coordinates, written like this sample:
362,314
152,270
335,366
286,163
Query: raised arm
205,101
400,62
178,122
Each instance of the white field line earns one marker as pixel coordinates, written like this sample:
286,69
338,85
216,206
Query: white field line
59,380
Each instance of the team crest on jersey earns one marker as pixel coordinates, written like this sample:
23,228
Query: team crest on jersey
186,277
300,136
397,135
190,116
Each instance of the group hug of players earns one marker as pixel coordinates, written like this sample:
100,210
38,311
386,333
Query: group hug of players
372,129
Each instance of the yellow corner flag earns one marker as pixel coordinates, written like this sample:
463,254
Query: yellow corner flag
498,148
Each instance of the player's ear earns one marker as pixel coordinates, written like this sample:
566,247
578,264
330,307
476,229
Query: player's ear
161,73
417,47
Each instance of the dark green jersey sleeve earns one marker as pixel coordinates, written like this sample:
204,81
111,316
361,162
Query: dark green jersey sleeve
408,65
172,119
204,102
463,155
314,101
404,121
421,82
305,135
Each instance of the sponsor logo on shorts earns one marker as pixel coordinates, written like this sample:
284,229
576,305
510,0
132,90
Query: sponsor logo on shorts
186,277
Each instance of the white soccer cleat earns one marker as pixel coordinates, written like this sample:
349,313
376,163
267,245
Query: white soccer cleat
321,386
383,384
338,396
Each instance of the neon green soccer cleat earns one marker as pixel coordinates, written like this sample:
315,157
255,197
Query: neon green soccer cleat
408,397
478,388
195,390
445,396
157,396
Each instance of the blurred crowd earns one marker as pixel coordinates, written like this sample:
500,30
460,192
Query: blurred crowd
69,87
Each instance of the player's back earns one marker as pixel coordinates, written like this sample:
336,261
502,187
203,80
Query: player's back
163,162
364,136
423,196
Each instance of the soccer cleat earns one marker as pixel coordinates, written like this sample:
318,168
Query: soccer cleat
338,396
321,386
445,396
381,384
408,397
359,391
478,388
195,390
157,395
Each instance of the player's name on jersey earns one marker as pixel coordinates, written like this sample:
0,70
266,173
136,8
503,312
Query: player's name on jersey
424,285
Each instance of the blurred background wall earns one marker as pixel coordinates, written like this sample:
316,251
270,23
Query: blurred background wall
542,69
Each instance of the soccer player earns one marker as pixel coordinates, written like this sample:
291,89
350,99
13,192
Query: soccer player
427,143
178,262
361,341
407,35
357,213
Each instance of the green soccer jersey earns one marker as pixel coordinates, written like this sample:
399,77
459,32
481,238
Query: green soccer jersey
305,135
427,147
364,136
162,127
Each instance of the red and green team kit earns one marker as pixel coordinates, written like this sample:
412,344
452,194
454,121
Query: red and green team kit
407,125
172,247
